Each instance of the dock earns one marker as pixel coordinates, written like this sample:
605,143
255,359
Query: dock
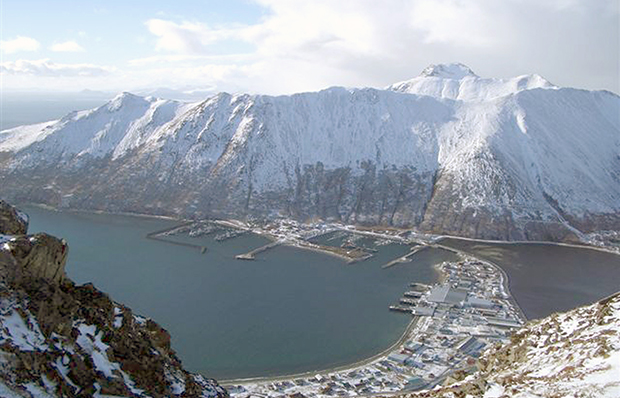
420,287
154,234
406,258
251,255
157,235
400,308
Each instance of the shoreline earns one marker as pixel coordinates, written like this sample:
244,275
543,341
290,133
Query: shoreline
261,379
504,275
407,334
361,230
102,212
415,321
528,242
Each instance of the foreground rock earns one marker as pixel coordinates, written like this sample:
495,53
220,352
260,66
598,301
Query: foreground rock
574,354
62,340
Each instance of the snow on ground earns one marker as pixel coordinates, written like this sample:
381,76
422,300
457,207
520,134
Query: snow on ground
570,354
4,239
506,143
17,138
89,340
24,334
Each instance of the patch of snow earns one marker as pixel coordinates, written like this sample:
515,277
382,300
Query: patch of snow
61,365
89,340
4,240
49,385
118,317
176,380
23,216
37,392
25,335
6,392
495,391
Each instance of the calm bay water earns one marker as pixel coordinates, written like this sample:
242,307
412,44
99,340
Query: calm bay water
289,311
546,278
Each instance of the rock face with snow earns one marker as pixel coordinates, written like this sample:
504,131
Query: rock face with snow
62,340
574,354
446,152
38,256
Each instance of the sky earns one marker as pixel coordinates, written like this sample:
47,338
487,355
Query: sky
288,46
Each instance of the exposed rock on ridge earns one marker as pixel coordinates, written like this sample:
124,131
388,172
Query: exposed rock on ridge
447,152
62,340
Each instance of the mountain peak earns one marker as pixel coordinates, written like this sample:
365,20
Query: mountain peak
124,99
449,71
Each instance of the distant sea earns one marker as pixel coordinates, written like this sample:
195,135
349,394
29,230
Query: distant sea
18,109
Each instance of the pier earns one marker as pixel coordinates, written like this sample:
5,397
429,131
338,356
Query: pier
251,255
157,235
406,258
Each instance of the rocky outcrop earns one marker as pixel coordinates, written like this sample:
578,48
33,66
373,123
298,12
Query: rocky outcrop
38,256
12,221
62,340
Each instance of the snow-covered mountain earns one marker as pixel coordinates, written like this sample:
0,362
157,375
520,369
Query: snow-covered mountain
445,152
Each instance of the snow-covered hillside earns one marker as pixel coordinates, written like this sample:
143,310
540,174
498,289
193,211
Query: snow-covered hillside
573,354
446,152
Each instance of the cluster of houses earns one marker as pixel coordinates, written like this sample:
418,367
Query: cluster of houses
454,322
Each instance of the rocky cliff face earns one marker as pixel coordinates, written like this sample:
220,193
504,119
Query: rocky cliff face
574,354
62,340
12,221
446,152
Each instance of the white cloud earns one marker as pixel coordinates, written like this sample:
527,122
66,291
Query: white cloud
67,46
311,45
19,44
300,45
45,67
187,37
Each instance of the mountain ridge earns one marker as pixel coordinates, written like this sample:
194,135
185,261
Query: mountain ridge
487,158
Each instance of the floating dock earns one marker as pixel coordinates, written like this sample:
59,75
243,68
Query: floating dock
400,308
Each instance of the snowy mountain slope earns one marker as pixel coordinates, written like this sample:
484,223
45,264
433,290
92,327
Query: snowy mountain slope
458,82
446,152
21,137
573,354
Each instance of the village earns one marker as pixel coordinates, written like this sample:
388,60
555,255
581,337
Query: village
453,322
